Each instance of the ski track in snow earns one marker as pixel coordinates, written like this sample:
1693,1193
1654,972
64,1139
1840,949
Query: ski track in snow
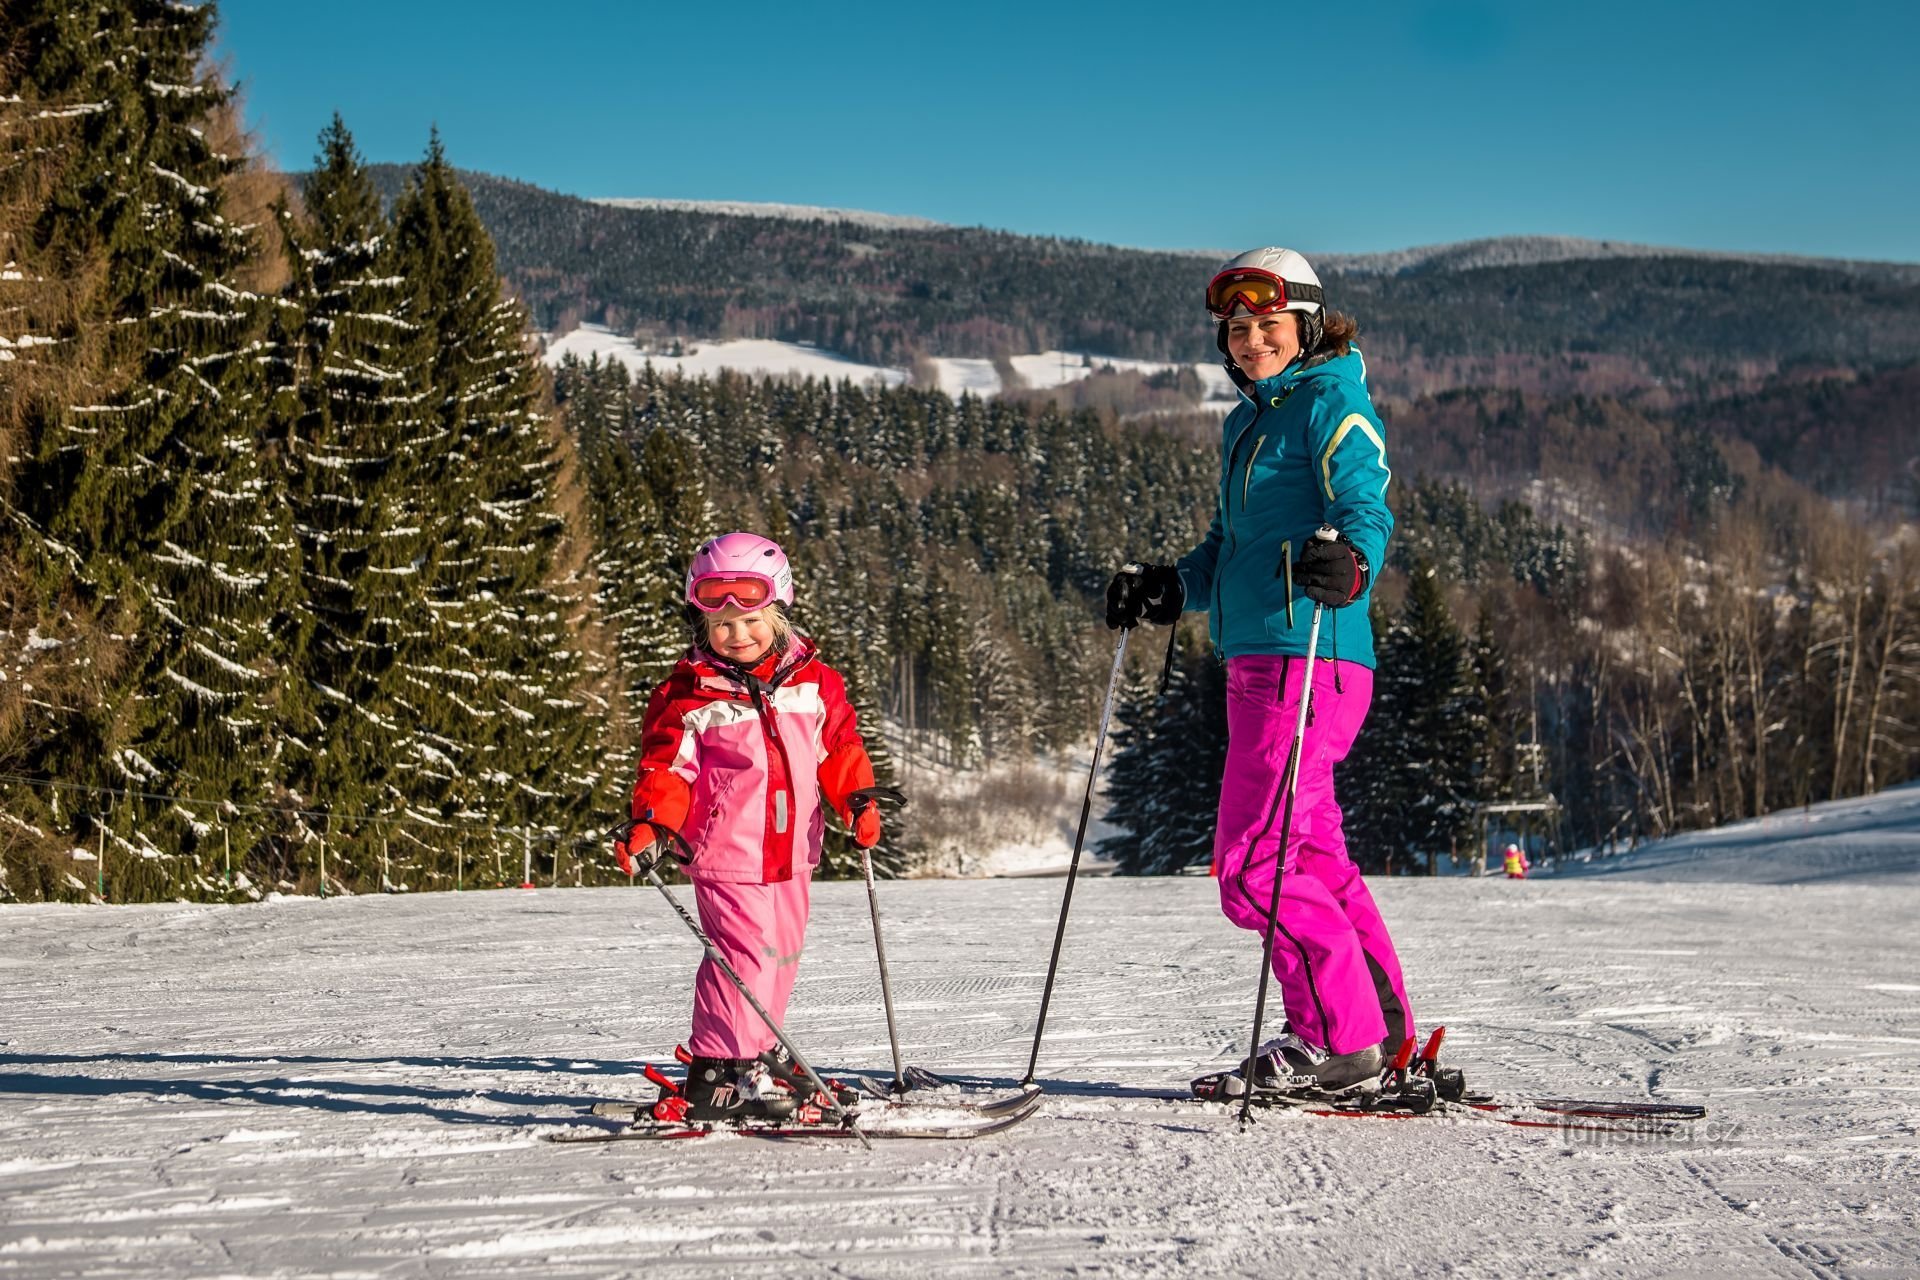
357,1088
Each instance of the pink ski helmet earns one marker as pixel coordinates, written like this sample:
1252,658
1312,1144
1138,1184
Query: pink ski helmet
745,568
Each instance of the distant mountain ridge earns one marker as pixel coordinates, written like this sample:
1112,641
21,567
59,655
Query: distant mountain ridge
1459,255
1524,311
1527,251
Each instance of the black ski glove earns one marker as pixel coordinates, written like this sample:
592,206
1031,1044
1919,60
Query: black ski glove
1150,591
1331,570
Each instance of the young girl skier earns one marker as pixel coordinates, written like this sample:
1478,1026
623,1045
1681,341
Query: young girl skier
738,746
1302,450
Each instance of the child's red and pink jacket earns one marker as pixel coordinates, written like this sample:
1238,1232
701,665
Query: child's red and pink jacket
737,761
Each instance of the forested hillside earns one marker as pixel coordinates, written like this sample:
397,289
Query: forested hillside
885,295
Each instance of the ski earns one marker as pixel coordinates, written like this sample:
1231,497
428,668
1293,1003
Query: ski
1591,1118
952,1095
973,1125
880,1101
1419,1086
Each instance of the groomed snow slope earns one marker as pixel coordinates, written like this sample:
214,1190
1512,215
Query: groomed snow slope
1867,840
357,1088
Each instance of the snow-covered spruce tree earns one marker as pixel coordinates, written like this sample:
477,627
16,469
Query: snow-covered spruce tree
1136,799
354,477
144,491
486,672
1502,775
629,529
846,616
1410,787
631,594
670,465
1169,753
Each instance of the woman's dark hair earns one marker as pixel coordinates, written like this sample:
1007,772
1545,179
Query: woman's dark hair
1337,332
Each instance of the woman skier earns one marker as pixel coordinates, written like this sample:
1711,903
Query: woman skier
1303,449
737,747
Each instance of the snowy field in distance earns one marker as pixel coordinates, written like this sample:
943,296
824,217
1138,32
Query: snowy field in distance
1865,840
356,1087
1005,819
762,356
754,356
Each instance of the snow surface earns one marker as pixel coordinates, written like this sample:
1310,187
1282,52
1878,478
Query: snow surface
956,376
356,1087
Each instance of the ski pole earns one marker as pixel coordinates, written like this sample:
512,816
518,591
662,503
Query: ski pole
1073,867
875,795
834,1107
1291,783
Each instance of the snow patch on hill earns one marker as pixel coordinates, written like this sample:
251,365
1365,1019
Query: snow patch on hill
705,359
955,376
796,212
1873,839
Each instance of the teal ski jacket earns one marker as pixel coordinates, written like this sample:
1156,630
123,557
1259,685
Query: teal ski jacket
1302,449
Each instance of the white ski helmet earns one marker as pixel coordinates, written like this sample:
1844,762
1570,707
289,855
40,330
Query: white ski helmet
1263,282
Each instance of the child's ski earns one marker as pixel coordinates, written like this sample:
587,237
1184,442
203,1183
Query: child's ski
893,1123
881,1102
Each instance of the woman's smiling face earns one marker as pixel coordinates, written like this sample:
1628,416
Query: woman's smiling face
1263,345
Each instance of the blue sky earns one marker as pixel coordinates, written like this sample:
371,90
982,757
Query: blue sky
1332,128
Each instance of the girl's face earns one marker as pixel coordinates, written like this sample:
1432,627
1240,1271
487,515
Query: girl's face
1263,345
740,635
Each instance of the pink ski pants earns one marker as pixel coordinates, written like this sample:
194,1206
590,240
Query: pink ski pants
1336,967
760,929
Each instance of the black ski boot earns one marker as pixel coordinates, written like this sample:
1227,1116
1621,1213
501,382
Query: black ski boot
785,1071
729,1090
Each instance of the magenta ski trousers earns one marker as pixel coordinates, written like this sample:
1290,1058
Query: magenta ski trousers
760,929
1335,964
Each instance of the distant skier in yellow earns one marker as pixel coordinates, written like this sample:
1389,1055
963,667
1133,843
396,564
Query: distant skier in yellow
1516,862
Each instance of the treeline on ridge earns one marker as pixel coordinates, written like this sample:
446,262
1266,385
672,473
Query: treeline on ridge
887,295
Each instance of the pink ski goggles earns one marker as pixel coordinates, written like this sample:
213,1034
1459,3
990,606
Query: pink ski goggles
748,591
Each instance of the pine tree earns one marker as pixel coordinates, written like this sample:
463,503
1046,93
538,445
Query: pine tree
1412,784
1169,754
629,548
487,673
354,485
145,490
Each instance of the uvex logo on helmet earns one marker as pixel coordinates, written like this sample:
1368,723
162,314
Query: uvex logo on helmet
744,568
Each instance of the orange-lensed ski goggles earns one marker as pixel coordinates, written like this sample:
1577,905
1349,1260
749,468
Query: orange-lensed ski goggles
1261,292
748,591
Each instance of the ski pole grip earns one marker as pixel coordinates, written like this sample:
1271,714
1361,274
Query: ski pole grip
1326,533
892,795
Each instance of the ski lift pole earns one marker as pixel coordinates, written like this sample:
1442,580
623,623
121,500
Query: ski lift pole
1073,867
875,795
835,1107
1291,783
